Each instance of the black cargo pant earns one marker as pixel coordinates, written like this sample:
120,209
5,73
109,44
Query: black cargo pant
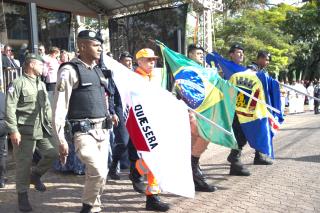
238,133
122,140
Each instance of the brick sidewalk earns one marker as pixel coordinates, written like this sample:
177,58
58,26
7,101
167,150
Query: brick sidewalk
292,184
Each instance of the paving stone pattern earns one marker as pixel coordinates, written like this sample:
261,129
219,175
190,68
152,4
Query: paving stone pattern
291,184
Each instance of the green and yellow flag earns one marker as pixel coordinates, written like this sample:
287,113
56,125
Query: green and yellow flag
203,90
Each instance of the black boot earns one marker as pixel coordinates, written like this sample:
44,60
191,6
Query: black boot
199,180
113,173
260,159
2,171
234,155
154,203
86,208
237,167
23,202
35,180
136,179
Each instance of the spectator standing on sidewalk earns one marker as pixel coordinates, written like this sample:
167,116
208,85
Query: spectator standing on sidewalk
310,91
52,71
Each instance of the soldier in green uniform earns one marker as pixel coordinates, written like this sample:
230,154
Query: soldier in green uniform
28,117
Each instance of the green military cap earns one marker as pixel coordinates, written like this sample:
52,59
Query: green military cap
34,56
91,35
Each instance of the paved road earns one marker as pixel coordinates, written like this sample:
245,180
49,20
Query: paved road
292,184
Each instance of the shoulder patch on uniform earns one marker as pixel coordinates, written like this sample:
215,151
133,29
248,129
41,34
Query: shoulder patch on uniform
11,89
61,86
63,75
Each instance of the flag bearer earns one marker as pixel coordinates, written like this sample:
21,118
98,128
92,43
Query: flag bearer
236,53
263,60
198,144
146,59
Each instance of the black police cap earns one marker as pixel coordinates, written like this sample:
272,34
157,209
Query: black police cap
124,55
264,54
192,47
234,47
91,35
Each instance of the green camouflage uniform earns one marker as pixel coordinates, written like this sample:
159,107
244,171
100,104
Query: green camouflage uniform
28,112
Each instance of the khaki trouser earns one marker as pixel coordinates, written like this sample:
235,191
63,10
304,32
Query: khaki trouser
198,144
92,150
23,156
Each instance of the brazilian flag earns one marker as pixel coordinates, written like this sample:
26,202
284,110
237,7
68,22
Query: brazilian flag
206,92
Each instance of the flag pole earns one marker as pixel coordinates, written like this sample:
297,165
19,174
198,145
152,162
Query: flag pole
289,87
201,116
258,100
210,121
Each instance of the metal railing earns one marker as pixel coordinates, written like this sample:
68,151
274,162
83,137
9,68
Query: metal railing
8,76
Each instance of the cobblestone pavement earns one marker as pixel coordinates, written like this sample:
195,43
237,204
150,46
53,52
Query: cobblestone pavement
291,184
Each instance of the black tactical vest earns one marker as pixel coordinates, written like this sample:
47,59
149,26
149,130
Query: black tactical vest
88,100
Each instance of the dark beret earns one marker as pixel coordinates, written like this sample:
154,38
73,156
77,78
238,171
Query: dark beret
264,54
192,47
234,47
124,55
90,35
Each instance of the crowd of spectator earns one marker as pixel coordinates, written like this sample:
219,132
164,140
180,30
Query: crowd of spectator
295,102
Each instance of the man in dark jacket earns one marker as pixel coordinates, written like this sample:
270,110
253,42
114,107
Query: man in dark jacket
122,140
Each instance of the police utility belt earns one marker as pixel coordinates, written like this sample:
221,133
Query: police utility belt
86,124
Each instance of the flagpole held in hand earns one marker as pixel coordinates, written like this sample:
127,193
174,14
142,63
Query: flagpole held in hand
258,100
203,117
210,121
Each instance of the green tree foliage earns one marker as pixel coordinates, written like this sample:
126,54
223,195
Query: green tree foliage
290,34
258,29
304,26
234,6
93,23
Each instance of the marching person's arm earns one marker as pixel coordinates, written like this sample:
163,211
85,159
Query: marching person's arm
12,100
48,108
112,102
67,80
